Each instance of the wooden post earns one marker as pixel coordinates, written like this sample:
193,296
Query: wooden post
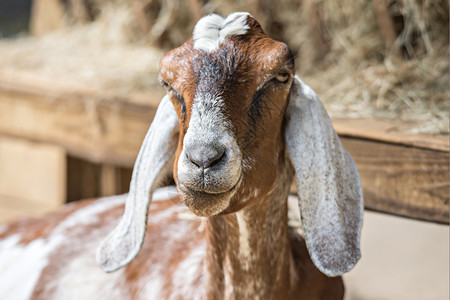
46,16
32,177
138,7
83,179
386,25
80,11
311,13
196,10
108,182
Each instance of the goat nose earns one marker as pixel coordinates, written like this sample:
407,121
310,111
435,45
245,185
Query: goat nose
205,157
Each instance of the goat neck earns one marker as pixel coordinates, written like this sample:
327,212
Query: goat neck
250,249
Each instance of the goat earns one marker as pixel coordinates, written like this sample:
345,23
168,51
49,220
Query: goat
235,126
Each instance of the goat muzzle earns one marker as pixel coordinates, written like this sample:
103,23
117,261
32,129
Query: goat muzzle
208,176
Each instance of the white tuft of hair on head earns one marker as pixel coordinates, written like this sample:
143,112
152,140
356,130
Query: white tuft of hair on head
212,30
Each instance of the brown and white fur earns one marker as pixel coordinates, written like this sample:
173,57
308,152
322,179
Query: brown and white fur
234,128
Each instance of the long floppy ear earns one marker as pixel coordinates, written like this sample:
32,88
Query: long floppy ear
329,188
152,164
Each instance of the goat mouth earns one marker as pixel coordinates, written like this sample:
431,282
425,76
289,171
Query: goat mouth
205,203
202,193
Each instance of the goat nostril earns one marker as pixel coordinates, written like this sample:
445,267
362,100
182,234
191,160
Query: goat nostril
216,160
193,160
204,157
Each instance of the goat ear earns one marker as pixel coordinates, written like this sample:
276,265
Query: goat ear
329,188
152,165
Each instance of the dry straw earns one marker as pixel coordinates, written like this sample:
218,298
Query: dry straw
342,50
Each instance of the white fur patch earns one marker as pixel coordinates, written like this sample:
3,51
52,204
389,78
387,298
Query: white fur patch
81,278
24,263
187,274
210,127
244,243
2,228
165,193
19,264
228,274
153,287
212,30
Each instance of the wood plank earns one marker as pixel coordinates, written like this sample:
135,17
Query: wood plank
391,131
32,172
83,179
112,129
91,180
109,183
403,173
403,180
51,89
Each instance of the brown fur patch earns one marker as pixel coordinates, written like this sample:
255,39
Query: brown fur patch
78,238
31,229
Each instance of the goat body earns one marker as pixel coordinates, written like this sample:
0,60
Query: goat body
183,257
234,128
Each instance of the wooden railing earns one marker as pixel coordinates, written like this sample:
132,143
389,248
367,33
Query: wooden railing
402,174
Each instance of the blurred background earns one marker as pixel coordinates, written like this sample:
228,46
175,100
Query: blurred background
78,90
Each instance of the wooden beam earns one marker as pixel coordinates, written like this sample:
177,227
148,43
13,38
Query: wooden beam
32,178
403,174
391,131
91,180
83,179
109,183
94,125
402,180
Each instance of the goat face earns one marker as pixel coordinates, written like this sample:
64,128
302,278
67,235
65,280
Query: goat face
230,99
234,118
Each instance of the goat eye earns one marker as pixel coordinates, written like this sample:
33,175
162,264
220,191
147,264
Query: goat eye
166,85
282,77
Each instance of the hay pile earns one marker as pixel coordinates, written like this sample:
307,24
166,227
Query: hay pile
100,55
342,49
342,53
361,76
